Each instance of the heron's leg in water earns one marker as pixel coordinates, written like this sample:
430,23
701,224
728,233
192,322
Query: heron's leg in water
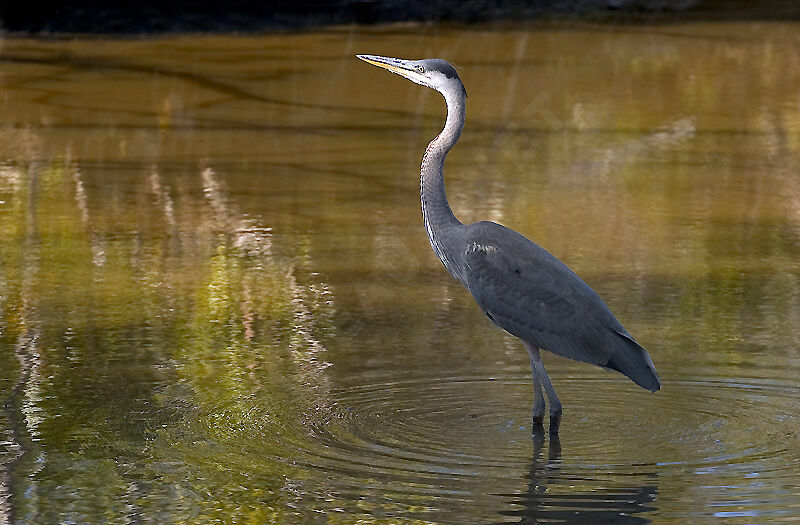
538,397
543,380
555,404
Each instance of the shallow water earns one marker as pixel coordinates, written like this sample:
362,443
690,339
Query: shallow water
218,301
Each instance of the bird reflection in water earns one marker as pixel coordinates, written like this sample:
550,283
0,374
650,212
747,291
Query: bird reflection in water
549,497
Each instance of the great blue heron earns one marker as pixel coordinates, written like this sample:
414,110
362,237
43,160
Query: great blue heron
520,286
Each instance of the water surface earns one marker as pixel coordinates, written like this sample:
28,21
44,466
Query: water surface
217,300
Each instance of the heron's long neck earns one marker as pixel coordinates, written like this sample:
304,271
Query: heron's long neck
435,210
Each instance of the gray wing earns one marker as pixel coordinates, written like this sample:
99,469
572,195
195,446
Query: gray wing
526,291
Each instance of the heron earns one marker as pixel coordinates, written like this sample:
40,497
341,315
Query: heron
520,286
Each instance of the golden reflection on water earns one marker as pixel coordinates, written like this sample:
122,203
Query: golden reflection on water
217,298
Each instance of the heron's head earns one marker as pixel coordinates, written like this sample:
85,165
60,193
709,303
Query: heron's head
431,72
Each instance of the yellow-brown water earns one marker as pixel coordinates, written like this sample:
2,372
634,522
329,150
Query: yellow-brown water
218,303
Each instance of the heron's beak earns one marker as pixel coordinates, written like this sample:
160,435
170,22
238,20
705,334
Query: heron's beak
404,68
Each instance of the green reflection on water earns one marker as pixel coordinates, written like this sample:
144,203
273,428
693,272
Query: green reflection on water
138,353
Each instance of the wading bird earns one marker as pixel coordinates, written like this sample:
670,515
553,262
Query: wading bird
520,287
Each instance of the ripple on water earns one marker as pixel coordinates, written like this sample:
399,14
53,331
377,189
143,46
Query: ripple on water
708,421
421,442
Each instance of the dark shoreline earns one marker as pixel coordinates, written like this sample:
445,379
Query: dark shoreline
154,17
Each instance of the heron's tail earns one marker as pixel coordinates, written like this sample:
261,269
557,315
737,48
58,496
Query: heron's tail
633,361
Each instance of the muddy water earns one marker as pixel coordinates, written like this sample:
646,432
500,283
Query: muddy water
217,300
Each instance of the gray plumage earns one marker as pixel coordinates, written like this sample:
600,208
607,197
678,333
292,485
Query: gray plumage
534,296
520,286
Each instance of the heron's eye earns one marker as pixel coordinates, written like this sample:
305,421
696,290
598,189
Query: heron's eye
419,69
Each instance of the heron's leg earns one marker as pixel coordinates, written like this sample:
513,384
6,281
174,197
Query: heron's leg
555,404
538,397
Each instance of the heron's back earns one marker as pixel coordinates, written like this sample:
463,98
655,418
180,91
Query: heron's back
528,292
